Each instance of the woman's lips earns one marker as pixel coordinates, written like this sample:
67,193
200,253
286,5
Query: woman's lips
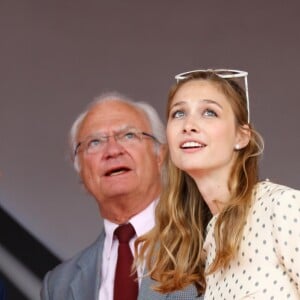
192,144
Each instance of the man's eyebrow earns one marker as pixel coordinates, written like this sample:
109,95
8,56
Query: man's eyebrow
116,130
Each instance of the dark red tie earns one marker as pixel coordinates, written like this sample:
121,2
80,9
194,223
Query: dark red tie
126,284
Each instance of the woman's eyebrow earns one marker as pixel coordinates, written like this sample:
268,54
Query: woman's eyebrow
177,104
212,102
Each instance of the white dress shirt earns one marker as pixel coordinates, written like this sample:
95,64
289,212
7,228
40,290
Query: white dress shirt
142,222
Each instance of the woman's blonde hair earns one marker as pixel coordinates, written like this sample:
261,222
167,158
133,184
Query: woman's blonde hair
172,250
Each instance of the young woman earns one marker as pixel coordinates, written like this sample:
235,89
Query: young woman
218,227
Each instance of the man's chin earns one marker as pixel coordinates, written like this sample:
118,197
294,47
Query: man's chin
118,189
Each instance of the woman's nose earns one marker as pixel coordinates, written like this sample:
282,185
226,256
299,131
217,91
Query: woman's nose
191,125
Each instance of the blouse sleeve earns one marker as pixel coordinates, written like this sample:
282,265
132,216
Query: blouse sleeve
285,220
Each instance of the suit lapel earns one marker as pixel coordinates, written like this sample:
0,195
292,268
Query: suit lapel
86,282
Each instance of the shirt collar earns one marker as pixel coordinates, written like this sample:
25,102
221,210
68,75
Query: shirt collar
142,223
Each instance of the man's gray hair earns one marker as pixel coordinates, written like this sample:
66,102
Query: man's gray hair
156,124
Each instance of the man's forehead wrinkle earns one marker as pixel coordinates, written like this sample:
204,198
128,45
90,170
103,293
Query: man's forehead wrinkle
105,118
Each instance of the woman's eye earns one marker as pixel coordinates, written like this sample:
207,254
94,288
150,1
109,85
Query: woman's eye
209,113
177,114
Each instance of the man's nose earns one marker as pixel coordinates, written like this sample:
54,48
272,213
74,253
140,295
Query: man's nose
112,148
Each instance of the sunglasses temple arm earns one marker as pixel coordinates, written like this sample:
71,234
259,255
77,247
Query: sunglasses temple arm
247,98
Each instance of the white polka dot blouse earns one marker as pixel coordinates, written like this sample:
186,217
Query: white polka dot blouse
268,262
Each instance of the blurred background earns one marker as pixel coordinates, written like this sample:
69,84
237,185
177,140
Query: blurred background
56,56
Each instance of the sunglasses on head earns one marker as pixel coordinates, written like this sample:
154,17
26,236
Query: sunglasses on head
223,73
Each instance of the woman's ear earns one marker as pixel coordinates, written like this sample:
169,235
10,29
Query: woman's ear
243,137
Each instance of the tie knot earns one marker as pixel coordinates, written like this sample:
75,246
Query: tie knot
124,233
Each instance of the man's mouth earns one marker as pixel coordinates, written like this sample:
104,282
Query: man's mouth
193,144
117,171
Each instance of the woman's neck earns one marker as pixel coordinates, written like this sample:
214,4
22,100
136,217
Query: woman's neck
214,190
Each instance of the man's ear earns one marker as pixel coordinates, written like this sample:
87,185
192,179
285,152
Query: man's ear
243,137
161,155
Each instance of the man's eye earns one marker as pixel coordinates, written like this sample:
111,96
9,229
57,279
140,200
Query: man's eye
129,135
93,143
177,114
209,113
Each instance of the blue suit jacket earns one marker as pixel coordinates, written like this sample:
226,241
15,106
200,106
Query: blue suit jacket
2,291
79,279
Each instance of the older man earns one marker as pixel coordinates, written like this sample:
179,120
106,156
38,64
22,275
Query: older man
118,148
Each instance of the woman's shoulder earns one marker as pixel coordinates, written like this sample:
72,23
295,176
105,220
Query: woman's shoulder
272,188
278,194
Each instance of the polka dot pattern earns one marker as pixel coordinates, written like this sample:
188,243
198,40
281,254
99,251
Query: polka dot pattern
268,262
